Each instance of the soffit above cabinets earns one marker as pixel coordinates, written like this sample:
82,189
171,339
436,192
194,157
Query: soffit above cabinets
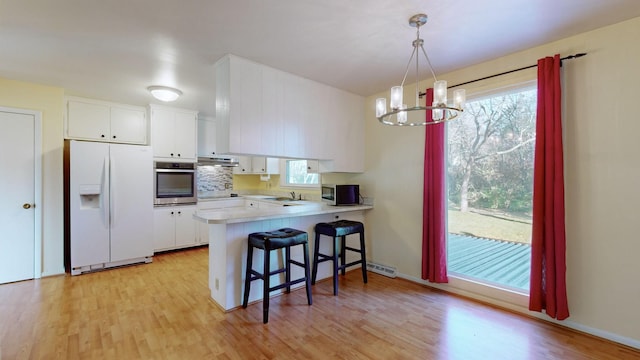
113,50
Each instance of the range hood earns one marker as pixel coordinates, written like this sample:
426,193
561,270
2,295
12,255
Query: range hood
217,161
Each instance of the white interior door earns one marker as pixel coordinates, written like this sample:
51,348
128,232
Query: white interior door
19,208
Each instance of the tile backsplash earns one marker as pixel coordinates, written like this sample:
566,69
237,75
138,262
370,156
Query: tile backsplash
214,180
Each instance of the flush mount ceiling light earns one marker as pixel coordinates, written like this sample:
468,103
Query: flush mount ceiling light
164,93
441,112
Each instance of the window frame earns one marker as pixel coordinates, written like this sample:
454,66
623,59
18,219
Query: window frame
284,167
461,281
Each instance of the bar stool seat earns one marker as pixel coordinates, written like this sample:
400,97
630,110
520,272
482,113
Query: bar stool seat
339,230
283,238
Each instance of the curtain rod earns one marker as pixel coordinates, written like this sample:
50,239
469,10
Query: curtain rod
570,57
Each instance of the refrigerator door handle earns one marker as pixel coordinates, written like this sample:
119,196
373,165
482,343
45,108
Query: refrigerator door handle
112,198
103,191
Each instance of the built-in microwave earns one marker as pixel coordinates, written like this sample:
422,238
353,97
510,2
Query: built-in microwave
174,183
341,194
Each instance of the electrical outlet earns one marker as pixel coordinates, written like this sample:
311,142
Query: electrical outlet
367,201
217,285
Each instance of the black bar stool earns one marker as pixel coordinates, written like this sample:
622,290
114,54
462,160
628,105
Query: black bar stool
273,240
339,229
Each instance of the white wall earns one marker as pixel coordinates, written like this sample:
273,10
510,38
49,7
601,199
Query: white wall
49,101
602,146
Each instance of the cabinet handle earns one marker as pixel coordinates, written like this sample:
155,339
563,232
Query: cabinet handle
114,136
179,212
172,213
171,154
102,135
178,155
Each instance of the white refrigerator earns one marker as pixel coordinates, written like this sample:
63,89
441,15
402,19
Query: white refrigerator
110,205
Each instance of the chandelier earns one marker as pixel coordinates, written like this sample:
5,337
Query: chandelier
441,112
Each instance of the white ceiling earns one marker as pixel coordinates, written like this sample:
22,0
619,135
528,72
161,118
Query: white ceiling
114,49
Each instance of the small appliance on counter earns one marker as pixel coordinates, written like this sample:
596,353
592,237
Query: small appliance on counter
339,195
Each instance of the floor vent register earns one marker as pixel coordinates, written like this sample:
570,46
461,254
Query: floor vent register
382,269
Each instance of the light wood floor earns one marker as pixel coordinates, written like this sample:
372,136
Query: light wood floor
162,311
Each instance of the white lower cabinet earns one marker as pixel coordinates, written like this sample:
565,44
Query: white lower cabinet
174,227
203,229
203,233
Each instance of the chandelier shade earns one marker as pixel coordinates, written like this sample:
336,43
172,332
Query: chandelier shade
397,113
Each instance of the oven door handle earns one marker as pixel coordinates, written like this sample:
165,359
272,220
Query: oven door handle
175,170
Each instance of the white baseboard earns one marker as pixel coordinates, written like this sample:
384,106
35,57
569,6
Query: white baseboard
524,310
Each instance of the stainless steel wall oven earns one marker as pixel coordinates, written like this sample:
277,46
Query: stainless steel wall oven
174,183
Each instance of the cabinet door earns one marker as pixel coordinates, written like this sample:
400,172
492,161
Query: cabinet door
203,233
162,132
312,167
259,165
317,120
185,135
206,137
164,228
87,121
244,165
128,125
185,226
246,107
293,115
272,111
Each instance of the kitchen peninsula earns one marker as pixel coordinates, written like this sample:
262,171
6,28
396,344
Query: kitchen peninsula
229,228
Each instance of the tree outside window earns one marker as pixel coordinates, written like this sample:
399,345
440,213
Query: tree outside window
297,174
490,188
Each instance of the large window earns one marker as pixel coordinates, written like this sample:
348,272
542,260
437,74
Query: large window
297,174
490,187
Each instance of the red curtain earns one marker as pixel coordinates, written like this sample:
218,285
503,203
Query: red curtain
548,284
434,251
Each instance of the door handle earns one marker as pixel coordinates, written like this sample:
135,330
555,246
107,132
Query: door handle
28,206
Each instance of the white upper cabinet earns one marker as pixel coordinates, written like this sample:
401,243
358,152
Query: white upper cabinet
265,165
294,111
244,165
173,133
272,111
206,137
268,112
238,106
313,167
346,139
88,119
257,165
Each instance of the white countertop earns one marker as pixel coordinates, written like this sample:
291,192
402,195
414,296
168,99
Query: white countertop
239,215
